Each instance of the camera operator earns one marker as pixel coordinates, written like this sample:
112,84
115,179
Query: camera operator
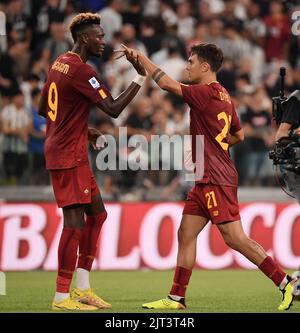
288,137
291,117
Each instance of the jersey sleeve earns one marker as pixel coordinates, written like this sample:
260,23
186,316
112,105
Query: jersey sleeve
87,82
195,95
291,112
235,123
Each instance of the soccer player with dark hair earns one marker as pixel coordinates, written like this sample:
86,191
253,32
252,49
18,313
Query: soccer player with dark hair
71,88
214,196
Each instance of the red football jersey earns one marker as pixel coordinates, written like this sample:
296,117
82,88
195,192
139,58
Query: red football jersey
213,115
72,86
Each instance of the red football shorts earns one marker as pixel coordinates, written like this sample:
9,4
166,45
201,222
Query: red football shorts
215,202
74,186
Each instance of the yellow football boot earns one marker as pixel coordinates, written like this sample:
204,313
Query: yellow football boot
72,305
89,297
165,303
288,294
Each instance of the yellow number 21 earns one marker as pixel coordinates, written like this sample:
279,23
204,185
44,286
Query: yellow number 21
211,199
52,101
221,136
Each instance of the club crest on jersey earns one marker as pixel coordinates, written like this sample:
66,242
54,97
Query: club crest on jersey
94,83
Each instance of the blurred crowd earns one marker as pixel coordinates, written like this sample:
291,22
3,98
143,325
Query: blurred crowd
255,36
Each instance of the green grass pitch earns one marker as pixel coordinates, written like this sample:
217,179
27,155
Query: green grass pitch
209,291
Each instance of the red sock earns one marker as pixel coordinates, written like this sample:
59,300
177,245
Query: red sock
67,257
181,280
89,240
272,270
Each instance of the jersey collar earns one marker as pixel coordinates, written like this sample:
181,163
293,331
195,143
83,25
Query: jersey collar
75,54
212,82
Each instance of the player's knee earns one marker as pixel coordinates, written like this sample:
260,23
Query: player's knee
98,219
231,243
101,218
74,223
77,233
104,216
181,233
184,235
236,243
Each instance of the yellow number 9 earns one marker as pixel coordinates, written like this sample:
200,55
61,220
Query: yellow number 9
52,101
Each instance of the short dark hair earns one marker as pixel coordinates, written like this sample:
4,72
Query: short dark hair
209,53
81,21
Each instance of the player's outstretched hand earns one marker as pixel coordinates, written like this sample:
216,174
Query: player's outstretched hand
97,139
133,57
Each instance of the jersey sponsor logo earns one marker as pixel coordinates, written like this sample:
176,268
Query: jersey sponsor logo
94,83
102,93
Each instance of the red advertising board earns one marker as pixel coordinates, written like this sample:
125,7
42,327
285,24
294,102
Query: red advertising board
144,235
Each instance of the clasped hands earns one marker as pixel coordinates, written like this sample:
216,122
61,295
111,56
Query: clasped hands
132,56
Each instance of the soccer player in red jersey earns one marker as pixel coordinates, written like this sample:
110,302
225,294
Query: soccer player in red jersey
71,88
214,197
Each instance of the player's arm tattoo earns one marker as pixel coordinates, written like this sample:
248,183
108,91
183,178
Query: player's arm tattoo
113,107
157,75
164,81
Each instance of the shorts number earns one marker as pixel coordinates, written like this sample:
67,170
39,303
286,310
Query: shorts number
211,199
221,136
52,101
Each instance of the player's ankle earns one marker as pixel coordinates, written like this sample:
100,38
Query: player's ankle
284,282
83,280
59,297
176,298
